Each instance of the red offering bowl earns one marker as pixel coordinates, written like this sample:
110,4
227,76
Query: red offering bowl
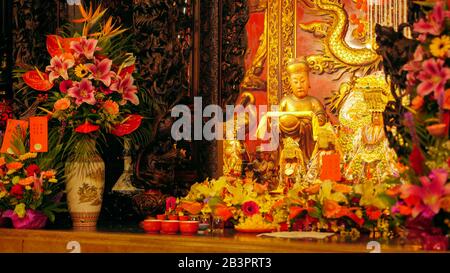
189,227
183,218
151,226
173,217
170,226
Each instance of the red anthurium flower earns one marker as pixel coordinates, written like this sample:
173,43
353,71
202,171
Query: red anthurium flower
17,191
37,80
87,128
57,45
294,211
132,122
250,208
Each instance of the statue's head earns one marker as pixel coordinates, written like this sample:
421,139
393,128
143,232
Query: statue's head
377,118
298,77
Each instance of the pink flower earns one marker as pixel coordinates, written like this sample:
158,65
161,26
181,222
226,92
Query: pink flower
125,87
433,76
65,85
428,196
86,47
415,64
102,71
58,67
435,22
250,208
82,92
171,203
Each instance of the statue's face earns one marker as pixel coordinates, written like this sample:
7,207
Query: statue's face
300,84
377,119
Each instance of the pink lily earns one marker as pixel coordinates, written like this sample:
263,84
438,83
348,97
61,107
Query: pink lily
429,195
125,87
102,71
82,92
416,63
433,76
85,47
58,67
435,21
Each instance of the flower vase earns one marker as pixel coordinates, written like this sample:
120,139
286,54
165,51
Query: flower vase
85,182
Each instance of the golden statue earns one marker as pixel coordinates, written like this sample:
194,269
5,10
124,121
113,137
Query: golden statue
299,111
372,158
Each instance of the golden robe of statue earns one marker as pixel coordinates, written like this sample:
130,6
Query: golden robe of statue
300,127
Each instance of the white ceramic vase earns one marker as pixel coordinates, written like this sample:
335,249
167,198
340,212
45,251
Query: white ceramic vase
85,183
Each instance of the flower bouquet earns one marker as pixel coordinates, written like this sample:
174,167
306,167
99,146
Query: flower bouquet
242,202
87,91
422,194
29,195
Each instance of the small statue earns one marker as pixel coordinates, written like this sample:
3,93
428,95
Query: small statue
292,164
264,168
294,123
372,157
327,157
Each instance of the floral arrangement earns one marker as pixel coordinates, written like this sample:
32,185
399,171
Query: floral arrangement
243,202
88,87
29,195
423,190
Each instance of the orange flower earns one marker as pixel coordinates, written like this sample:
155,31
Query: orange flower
447,100
62,104
331,209
260,189
313,189
437,130
445,203
191,207
26,181
48,174
2,161
294,211
223,211
111,107
404,210
417,103
14,166
394,191
342,188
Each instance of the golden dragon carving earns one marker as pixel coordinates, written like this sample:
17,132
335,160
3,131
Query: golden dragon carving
337,54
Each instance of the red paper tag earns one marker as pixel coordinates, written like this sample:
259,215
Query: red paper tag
12,128
38,134
331,167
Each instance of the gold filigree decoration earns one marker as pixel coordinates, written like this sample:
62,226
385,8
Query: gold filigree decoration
288,40
274,52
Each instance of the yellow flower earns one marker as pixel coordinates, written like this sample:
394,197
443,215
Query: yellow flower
2,194
20,210
53,180
81,71
28,188
440,46
27,156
